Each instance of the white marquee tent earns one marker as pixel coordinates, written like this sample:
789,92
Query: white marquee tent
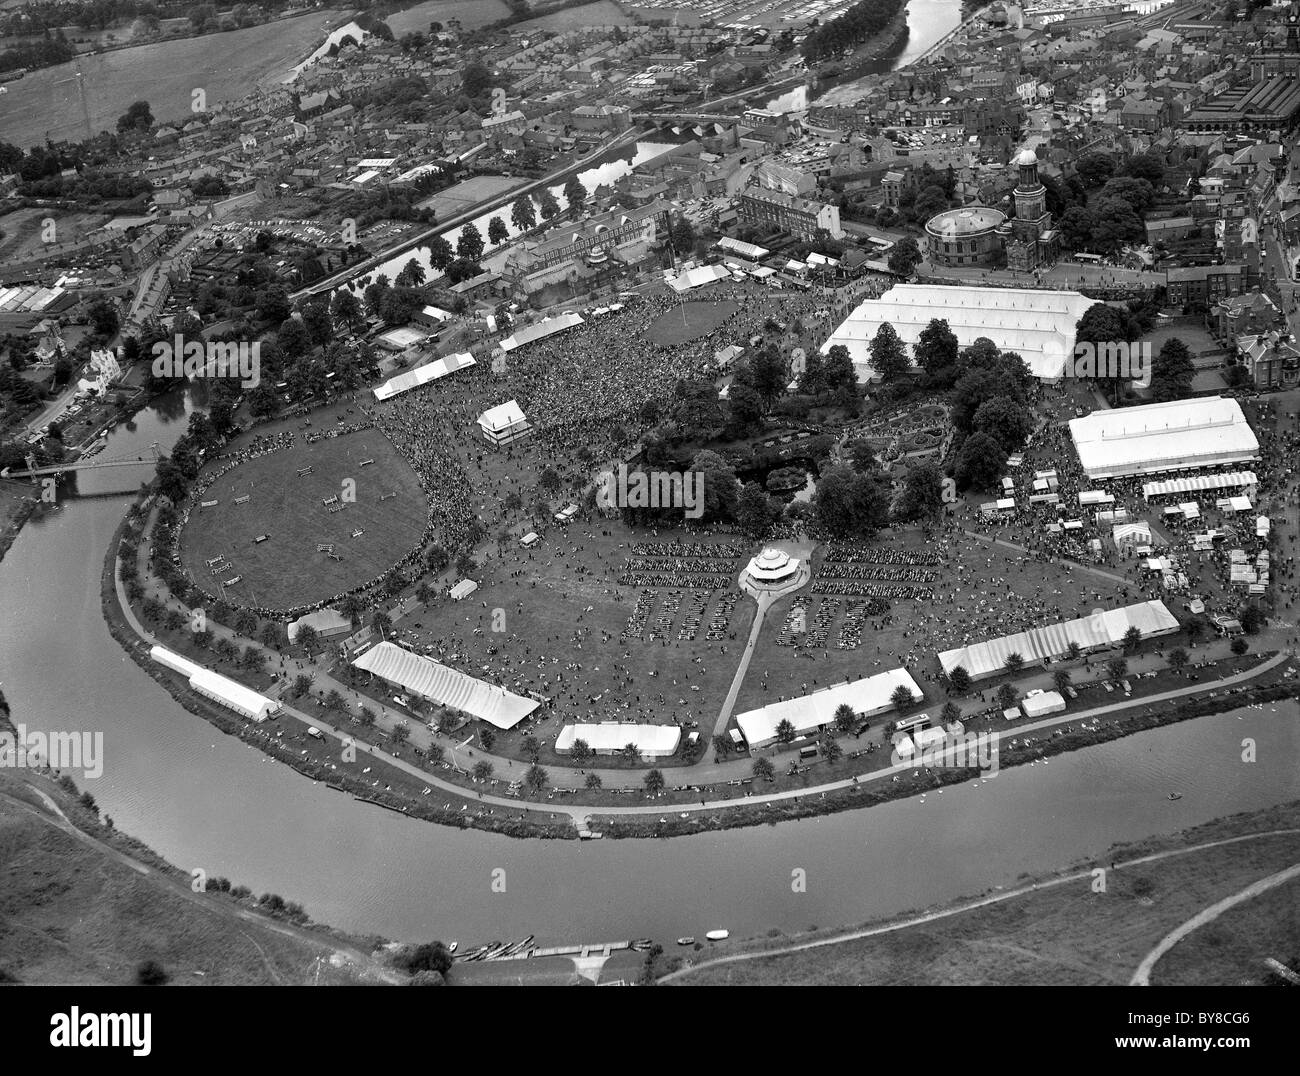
218,688
869,696
422,375
610,737
449,687
1038,325
1173,436
1094,632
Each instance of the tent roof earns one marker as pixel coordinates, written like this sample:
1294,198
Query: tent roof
544,328
444,685
422,375
502,417
1177,435
615,735
1038,325
1053,640
807,712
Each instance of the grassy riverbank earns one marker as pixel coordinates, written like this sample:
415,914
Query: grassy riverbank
1072,932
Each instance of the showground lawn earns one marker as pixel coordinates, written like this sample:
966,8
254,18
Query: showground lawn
688,322
287,570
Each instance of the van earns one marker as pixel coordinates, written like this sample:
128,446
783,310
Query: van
315,733
808,752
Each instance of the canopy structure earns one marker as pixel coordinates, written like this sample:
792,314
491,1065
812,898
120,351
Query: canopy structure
1045,702
867,697
448,687
1131,533
1179,435
503,423
544,328
743,249
220,689
611,737
689,279
1095,632
423,375
463,589
1038,325
1198,483
324,622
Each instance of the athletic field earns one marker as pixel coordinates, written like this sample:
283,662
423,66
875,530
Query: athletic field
286,570
688,322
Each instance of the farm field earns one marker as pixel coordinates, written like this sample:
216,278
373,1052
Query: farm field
287,570
600,13
226,66
472,14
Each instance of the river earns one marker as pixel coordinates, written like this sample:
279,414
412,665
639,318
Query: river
206,800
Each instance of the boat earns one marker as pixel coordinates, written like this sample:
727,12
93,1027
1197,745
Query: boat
641,944
452,947
1175,795
718,935
688,940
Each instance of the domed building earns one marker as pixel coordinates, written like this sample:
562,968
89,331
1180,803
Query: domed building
967,236
978,235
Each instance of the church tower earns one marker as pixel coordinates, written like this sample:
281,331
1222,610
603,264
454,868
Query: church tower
1031,240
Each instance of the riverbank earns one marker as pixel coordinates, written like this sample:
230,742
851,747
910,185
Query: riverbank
1090,923
403,793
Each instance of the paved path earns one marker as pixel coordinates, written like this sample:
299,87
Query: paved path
1142,977
983,902
1072,565
728,704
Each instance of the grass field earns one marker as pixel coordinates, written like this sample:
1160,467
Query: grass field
73,912
226,66
287,571
22,230
472,14
599,13
688,322
1071,935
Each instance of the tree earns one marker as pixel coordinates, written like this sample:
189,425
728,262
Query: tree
549,206
949,713
1138,193
576,195
905,256
138,117
1014,663
346,308
902,697
763,769
1005,420
755,511
936,350
1252,619
482,770
681,234
746,407
1073,650
845,718
470,244
302,684
1117,223
653,781
1172,371
722,744
850,504
721,490
1132,639
440,253
582,752
1008,696
922,496
593,781
523,214
532,747
831,750
498,233
1094,168
1178,659
1077,224
631,752
1239,645
888,356
431,956
980,462
536,778
784,731
1116,667
475,80
487,737
959,679
1061,678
